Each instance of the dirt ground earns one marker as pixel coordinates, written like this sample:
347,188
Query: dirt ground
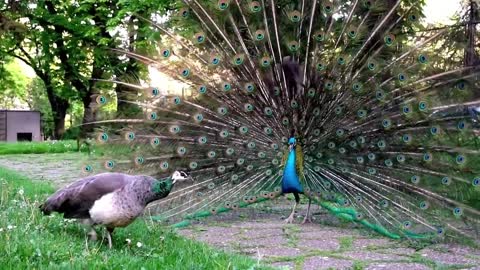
260,232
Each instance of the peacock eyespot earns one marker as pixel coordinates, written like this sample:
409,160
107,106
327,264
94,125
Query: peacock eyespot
152,116
175,129
319,37
268,111
434,130
221,169
460,159
342,151
139,160
87,168
249,87
164,165
202,89
360,160
386,123
260,35
268,172
353,144
251,145
238,60
362,113
202,140
215,61
255,7
211,154
415,179
331,145
227,87
185,72
320,67
166,53
341,61
406,138
223,4
329,85
372,171
461,125
295,16
155,92
328,8
243,129
261,155
103,137
155,141
340,132
316,111
248,107
268,130
424,205
230,151
389,39
367,4
402,77
198,117
422,59
422,106
338,110
265,62
177,100
440,231
407,224
222,110
413,17
109,164
384,203
406,109
357,87
461,85
331,161
224,133
101,100
371,66
352,34
200,38
457,211
371,156
130,136
181,150
274,146
388,163
427,157
285,121
476,182
446,180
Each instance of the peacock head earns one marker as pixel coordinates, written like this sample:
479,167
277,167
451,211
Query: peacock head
181,176
291,143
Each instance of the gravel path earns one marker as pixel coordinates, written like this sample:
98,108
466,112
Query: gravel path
260,232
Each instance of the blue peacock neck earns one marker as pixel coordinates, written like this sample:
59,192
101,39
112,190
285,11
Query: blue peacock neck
290,180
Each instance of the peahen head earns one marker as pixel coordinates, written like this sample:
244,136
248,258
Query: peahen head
180,176
291,143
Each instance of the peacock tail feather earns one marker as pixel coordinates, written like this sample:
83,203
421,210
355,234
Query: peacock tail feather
384,137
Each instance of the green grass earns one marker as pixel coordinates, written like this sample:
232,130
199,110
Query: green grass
29,240
40,147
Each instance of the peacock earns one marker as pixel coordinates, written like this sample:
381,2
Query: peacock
340,101
109,199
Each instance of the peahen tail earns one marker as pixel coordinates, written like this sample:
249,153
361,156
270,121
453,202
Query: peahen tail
388,130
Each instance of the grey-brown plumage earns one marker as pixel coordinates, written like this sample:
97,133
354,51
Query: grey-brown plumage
109,199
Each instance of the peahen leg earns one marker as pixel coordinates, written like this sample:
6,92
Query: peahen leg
297,200
109,237
307,218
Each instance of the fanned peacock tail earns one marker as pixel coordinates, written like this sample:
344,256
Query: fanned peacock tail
385,134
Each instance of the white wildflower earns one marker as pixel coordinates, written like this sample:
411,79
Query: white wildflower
21,192
128,241
139,244
10,227
1,229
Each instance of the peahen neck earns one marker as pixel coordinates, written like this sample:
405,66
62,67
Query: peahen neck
290,181
160,189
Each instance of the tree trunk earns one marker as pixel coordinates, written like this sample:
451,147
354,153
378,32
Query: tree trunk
59,121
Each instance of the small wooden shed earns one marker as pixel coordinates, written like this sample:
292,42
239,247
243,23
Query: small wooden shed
20,126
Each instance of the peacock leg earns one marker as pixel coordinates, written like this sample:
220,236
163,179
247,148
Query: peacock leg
92,234
307,218
109,237
297,200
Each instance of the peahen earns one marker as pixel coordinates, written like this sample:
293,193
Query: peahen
341,101
109,199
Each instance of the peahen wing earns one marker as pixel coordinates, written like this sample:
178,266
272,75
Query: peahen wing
382,125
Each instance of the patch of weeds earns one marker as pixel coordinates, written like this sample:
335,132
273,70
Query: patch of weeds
359,265
291,234
346,242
